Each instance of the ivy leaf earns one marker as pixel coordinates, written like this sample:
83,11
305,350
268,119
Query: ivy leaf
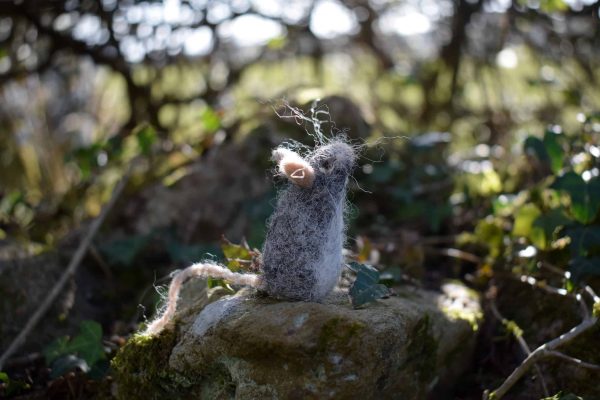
549,223
584,240
581,267
366,288
241,256
585,196
534,146
56,349
548,150
68,363
554,151
124,251
87,345
524,218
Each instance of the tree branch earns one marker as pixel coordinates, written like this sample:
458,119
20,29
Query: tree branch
67,274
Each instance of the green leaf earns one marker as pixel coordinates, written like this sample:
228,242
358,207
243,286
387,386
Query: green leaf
524,218
87,345
124,251
391,276
56,349
585,196
277,43
210,120
549,223
504,205
551,6
238,256
581,267
585,240
554,150
366,288
534,146
10,387
66,364
146,136
489,232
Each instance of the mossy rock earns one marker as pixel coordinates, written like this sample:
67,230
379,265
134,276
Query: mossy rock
251,347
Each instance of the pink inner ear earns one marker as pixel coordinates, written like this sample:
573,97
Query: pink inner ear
298,171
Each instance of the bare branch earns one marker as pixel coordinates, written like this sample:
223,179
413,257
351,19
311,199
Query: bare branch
517,332
574,360
545,350
67,274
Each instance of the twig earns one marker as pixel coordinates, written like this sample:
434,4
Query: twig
517,332
100,261
67,274
574,360
456,253
592,294
530,280
545,350
552,268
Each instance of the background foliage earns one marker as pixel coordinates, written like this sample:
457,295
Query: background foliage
481,118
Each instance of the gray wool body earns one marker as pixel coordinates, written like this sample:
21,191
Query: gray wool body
302,254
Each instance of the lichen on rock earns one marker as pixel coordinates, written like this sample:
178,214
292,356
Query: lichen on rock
246,347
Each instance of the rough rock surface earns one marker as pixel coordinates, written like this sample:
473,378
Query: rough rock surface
251,347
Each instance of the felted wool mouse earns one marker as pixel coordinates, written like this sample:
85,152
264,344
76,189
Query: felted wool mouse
302,253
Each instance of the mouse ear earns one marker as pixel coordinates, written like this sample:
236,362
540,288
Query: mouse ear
297,169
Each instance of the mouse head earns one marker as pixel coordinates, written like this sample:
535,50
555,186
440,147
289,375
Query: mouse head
333,162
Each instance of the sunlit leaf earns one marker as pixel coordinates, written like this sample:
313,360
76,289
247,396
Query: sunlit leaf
504,204
210,120
277,43
524,218
366,288
551,6
238,256
489,232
